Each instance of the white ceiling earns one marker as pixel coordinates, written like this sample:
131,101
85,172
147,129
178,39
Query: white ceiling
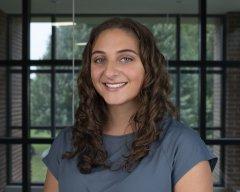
122,6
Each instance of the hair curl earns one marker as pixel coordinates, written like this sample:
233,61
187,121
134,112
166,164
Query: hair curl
92,113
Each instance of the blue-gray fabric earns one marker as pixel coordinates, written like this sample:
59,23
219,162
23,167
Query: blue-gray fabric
176,151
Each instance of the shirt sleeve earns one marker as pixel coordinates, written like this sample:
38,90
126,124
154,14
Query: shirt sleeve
53,159
190,149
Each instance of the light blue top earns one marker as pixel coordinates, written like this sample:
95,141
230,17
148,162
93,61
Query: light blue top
171,156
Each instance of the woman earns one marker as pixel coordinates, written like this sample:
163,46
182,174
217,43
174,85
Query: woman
126,136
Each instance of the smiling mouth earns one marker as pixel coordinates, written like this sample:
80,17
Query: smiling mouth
114,86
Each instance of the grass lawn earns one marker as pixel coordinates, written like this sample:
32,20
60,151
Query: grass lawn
38,168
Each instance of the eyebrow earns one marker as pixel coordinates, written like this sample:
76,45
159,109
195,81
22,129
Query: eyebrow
120,51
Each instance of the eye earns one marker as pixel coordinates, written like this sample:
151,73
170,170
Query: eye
99,60
126,59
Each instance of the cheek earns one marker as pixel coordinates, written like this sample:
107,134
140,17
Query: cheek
95,73
138,76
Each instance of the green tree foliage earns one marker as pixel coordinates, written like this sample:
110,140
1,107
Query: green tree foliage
165,34
40,100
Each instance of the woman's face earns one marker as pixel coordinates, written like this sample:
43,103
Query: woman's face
116,69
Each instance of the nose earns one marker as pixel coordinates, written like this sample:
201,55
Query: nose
110,70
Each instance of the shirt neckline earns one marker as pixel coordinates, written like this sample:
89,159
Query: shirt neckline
133,133
117,136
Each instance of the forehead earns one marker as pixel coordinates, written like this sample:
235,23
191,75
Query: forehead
116,38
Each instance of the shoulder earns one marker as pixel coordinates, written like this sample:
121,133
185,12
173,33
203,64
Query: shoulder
184,148
64,137
64,133
60,144
179,137
175,132
182,143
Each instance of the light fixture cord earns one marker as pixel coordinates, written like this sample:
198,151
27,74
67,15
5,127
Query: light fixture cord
73,60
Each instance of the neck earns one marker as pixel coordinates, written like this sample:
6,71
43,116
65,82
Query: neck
119,115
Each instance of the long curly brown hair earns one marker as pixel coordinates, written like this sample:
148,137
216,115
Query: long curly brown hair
92,113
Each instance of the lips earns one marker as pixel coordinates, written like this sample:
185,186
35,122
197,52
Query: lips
113,83
114,86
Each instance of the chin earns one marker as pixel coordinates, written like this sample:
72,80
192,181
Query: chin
114,103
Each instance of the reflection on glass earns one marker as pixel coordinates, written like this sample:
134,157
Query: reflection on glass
40,92
64,36
163,28
40,39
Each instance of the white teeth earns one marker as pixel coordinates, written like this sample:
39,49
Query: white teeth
114,85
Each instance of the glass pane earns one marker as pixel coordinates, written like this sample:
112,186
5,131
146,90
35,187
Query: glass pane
214,133
214,38
47,27
232,114
64,38
16,132
40,95
189,38
189,96
173,75
10,30
230,10
82,32
15,33
16,98
11,164
3,160
64,99
232,168
51,7
134,7
34,69
10,101
213,97
164,30
40,38
38,169
64,32
40,133
214,103
3,34
16,162
3,96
